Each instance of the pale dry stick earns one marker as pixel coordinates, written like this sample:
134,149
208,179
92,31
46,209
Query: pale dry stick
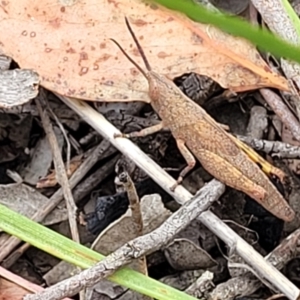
137,247
61,174
275,148
247,283
282,111
225,233
274,14
100,151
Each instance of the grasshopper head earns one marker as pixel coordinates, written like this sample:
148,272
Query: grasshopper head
160,87
154,81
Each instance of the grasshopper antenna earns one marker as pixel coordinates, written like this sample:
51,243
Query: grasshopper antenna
129,58
138,46
139,49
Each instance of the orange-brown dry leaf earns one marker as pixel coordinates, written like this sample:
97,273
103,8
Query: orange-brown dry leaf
50,180
10,290
67,43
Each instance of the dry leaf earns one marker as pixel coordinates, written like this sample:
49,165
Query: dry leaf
68,44
26,201
123,230
183,254
40,159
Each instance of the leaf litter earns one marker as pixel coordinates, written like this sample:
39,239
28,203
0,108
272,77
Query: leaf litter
92,68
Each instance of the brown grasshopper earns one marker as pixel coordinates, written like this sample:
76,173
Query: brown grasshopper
219,152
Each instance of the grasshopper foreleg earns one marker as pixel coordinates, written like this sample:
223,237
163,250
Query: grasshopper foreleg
143,132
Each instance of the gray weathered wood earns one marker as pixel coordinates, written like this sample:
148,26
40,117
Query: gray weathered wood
17,87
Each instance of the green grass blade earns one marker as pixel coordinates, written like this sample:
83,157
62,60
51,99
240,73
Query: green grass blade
67,250
292,15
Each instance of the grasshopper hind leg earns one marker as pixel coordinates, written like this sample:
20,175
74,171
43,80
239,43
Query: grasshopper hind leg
265,165
229,175
189,158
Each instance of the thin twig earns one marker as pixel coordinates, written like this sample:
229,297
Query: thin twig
61,174
282,111
275,148
137,218
246,284
136,248
62,129
133,201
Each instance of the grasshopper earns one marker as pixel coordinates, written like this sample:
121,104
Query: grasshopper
221,154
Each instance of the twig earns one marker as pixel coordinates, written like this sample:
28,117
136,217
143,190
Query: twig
62,129
133,201
254,259
61,174
136,248
247,284
275,148
136,213
282,111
